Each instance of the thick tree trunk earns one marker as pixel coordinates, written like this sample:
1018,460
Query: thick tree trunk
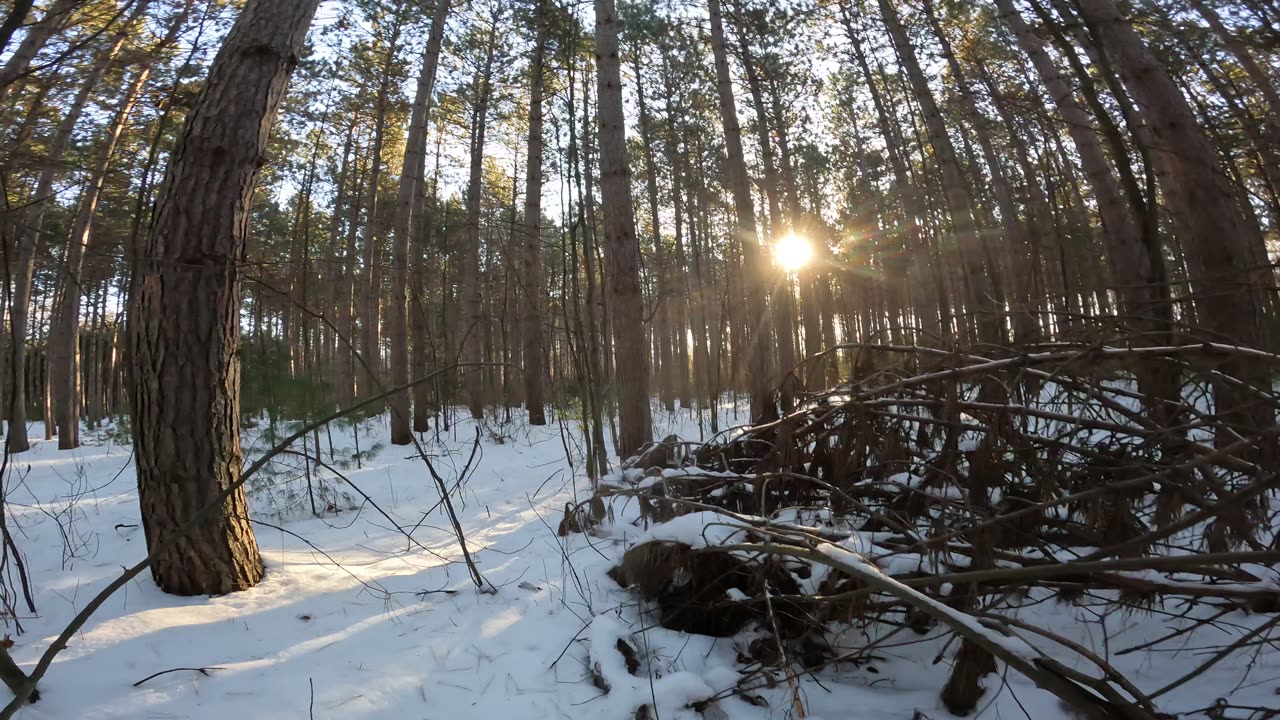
186,318
621,251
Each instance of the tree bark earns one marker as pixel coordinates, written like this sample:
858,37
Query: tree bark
411,182
980,289
621,250
759,375
469,288
531,284
186,317
1217,238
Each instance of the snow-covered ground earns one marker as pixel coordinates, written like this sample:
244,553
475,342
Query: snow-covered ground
355,621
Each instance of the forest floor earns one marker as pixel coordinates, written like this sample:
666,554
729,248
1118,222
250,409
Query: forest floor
354,621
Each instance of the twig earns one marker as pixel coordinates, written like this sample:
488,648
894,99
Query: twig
202,670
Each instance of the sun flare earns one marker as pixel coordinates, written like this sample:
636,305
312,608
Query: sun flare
792,252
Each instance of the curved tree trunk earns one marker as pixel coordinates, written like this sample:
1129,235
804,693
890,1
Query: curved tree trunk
185,326
36,37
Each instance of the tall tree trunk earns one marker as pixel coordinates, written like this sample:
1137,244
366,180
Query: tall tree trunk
915,243
531,284
371,281
1136,258
29,242
662,296
411,182
980,289
333,274
34,39
424,343
472,309
686,311
15,19
64,332
186,318
621,251
782,295
1017,237
1217,238
760,377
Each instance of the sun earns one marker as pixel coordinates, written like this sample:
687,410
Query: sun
792,252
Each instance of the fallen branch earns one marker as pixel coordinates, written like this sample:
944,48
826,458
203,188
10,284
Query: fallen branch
202,670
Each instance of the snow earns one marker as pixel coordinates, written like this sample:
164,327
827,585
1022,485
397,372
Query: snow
375,627
671,695
697,530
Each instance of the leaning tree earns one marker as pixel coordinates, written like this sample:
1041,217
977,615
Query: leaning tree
184,325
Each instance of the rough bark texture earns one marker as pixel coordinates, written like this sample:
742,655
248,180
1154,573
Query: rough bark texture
185,324
621,251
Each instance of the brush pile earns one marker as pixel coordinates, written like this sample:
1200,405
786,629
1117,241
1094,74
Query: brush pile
944,492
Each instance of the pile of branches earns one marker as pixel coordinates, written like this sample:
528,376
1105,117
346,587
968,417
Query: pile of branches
947,488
